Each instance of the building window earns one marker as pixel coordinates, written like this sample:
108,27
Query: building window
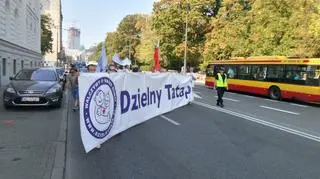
31,64
14,67
4,67
22,64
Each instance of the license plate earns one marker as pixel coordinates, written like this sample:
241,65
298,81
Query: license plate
30,99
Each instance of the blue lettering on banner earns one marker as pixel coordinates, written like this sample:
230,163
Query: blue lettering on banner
140,100
177,92
125,96
133,102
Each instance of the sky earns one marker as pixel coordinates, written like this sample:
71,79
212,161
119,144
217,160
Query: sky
97,17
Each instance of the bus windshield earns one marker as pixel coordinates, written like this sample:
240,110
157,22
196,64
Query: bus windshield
210,70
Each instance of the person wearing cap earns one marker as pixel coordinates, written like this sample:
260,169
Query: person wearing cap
112,68
91,68
221,85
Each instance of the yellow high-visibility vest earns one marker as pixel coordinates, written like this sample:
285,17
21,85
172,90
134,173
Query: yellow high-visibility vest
220,82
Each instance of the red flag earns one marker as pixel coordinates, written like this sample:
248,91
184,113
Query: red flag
156,57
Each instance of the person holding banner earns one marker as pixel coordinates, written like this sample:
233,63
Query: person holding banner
112,68
91,68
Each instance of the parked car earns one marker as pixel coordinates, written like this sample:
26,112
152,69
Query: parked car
34,87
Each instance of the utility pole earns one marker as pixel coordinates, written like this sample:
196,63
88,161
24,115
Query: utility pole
186,45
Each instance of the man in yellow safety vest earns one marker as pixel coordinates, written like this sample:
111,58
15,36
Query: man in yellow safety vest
221,85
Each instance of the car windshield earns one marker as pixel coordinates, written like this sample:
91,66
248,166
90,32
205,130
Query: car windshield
36,75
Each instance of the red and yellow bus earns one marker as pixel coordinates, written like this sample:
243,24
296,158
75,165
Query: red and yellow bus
276,77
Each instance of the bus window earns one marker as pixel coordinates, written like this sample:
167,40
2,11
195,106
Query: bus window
231,71
244,72
296,74
259,72
210,71
275,73
312,76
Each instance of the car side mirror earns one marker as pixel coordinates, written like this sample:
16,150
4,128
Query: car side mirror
11,78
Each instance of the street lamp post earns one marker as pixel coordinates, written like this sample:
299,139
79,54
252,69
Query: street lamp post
185,46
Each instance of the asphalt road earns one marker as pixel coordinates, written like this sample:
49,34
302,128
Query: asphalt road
28,142
251,137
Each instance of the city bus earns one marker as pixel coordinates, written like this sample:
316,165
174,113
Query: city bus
275,77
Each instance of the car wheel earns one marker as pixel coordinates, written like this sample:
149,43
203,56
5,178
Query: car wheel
59,104
6,106
275,93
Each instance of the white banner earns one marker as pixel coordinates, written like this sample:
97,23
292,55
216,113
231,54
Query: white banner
112,103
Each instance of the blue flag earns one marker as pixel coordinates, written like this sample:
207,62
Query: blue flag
103,61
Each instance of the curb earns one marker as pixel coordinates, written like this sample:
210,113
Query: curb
58,170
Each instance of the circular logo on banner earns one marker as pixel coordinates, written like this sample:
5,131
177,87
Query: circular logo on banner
99,107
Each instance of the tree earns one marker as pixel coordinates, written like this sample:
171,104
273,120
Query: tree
230,35
148,40
96,55
169,17
128,34
46,34
265,28
126,38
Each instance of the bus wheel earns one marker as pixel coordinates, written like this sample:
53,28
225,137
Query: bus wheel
275,93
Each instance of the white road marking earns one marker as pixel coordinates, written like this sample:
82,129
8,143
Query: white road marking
170,120
196,95
229,99
299,105
281,110
248,96
265,123
271,100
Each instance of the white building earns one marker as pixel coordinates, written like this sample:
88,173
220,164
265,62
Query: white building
52,8
75,54
74,38
19,36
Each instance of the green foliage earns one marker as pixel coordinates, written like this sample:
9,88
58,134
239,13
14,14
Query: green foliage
218,30
148,39
169,19
46,34
128,36
96,55
265,27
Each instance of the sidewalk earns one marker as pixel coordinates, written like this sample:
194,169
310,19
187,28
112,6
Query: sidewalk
32,142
